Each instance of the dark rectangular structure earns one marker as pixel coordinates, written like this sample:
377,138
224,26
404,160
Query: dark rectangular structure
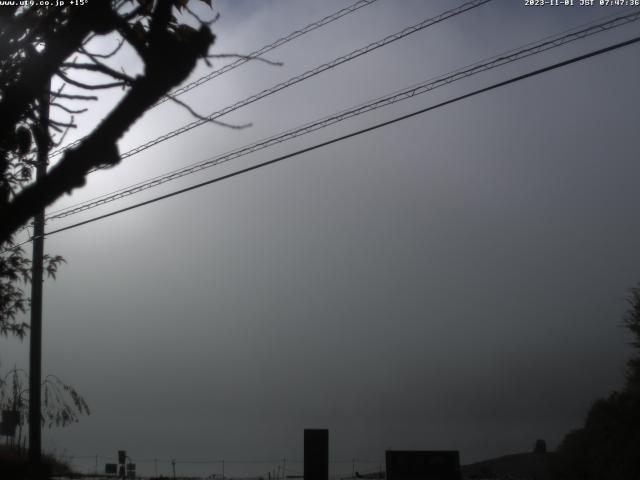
316,454
423,465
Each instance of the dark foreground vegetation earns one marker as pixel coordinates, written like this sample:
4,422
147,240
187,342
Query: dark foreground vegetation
607,447
532,466
14,465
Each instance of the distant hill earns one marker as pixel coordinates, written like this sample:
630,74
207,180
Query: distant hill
529,466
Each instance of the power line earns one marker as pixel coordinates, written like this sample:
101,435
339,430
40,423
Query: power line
251,56
356,133
344,137
219,460
306,75
545,44
267,48
309,74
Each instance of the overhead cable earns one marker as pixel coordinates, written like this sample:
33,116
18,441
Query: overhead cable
513,55
306,75
251,56
354,134
267,48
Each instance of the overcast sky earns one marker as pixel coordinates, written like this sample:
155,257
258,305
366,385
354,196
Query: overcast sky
452,281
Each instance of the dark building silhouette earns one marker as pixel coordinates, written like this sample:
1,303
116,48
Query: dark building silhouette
316,454
423,465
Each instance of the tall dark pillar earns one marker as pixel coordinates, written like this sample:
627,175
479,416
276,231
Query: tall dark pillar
316,454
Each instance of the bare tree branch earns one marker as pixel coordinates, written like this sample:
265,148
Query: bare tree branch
203,118
168,58
246,57
74,97
86,86
38,69
63,124
68,110
206,23
62,137
102,68
110,54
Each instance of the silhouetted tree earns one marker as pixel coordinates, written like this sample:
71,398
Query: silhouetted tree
62,404
14,275
41,45
14,269
607,447
632,321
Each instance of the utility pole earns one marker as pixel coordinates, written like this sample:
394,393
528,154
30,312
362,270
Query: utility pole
41,135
